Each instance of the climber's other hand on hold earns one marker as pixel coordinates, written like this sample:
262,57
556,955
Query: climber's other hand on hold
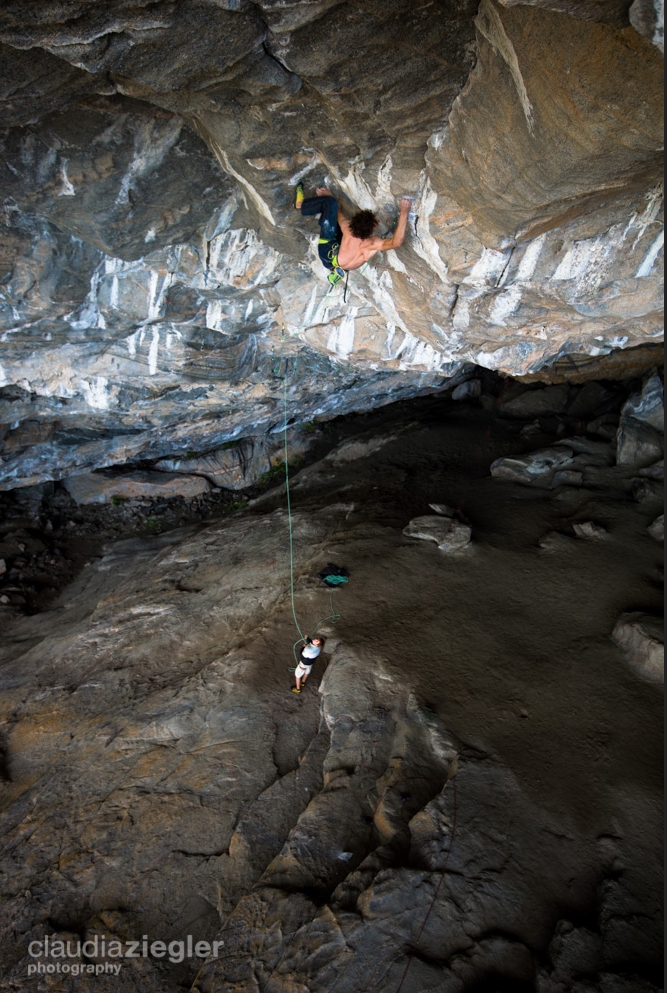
396,239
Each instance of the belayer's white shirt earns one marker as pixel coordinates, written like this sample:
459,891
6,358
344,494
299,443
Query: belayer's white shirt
310,651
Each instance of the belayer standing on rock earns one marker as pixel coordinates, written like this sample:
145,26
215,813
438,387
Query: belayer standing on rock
308,654
345,244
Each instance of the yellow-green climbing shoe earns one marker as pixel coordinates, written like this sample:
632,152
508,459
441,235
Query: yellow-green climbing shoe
336,276
298,196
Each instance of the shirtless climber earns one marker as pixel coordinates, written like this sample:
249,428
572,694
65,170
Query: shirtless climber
346,243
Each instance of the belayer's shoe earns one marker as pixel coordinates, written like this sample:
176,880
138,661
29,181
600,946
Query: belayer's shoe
294,690
298,196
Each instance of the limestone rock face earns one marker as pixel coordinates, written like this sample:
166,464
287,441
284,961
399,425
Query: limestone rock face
233,468
159,291
97,487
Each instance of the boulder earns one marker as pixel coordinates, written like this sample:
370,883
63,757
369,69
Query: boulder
562,463
590,531
637,443
594,452
534,469
639,438
647,17
655,471
648,406
588,401
100,487
449,535
605,426
554,541
641,638
532,403
529,429
443,509
657,529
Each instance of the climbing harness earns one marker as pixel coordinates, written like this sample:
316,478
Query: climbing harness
337,274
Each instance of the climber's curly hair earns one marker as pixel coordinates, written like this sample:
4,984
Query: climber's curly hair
363,224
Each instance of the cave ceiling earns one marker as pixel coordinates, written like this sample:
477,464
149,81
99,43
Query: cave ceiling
153,268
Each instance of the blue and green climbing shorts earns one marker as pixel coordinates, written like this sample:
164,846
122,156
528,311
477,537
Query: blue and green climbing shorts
331,235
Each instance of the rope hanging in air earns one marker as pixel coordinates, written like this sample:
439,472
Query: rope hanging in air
334,615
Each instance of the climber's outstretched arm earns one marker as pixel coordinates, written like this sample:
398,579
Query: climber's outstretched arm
398,236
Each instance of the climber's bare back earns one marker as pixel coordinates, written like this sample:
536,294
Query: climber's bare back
354,252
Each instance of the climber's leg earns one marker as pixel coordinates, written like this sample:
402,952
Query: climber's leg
327,208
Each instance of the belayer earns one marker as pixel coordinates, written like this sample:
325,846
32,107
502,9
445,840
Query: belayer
345,244
307,656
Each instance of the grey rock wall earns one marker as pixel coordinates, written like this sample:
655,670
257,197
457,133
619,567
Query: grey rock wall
154,271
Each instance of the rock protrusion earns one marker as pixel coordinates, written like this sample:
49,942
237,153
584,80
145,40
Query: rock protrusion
562,464
97,487
639,438
641,638
590,531
448,534
232,467
554,541
657,529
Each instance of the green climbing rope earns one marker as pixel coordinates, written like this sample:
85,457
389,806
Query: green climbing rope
289,503
334,615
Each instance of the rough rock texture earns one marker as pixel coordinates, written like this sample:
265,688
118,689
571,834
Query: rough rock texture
640,435
477,803
158,288
589,531
550,467
233,467
648,17
657,528
96,487
641,637
449,535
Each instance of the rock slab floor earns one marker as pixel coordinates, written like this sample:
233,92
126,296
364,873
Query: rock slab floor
468,788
